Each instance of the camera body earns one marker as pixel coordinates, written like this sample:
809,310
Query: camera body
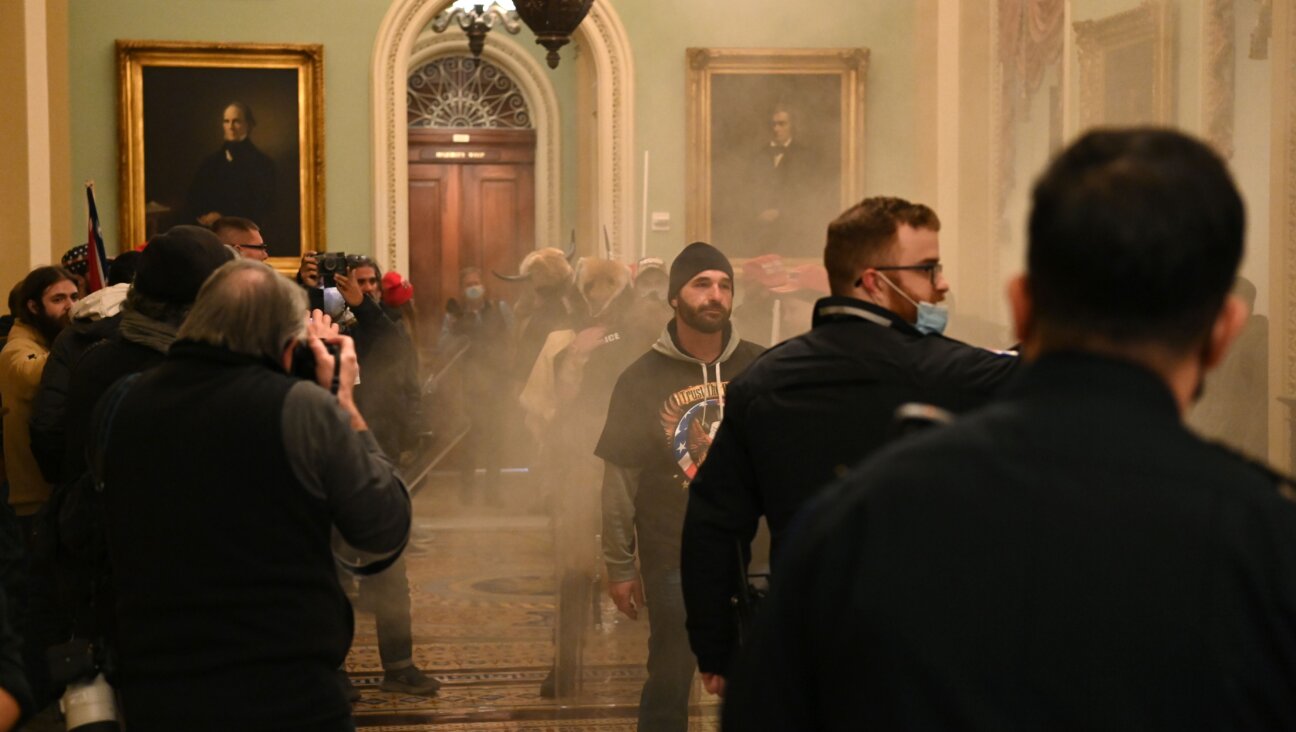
303,361
332,264
88,704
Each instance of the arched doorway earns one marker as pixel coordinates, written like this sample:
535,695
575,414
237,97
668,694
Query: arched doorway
471,157
606,119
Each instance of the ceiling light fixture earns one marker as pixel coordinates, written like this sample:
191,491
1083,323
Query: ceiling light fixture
552,21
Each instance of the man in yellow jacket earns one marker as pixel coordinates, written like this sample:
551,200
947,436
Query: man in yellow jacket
42,308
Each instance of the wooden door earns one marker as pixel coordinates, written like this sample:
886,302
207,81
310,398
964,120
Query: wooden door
472,204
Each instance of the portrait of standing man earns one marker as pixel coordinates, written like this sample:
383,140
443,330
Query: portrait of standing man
775,146
788,201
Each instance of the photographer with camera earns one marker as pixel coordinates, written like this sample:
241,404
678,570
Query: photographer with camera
388,395
229,610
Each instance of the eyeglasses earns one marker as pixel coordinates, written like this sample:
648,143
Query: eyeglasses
258,247
933,269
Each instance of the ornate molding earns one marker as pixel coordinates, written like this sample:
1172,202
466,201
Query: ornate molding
541,97
601,33
1262,32
1285,110
1100,45
1218,74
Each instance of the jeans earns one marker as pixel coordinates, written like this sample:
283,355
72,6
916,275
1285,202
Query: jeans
388,594
663,705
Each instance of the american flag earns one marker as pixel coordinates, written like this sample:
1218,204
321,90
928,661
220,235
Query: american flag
96,258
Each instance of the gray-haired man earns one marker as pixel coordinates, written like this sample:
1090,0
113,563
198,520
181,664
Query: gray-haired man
229,610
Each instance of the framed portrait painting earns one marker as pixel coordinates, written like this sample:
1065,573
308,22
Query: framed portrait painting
775,146
1127,67
216,129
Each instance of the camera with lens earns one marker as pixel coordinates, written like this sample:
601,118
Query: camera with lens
331,264
303,362
88,704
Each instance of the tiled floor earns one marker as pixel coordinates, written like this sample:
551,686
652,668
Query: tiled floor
483,605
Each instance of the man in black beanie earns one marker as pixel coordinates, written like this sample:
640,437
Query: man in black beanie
169,273
664,411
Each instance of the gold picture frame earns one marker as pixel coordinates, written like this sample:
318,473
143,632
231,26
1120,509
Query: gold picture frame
173,99
732,97
1127,69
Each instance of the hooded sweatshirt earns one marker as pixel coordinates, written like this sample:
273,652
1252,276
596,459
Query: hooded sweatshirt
664,412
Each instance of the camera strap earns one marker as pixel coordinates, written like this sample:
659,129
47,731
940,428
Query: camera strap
336,383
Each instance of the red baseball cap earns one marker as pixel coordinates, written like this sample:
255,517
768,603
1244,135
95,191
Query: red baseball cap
396,290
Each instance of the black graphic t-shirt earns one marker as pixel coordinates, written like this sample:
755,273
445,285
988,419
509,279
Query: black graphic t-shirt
661,420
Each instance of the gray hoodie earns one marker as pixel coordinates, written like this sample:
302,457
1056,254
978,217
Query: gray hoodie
662,417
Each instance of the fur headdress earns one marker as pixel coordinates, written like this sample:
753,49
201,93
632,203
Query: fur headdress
546,268
603,279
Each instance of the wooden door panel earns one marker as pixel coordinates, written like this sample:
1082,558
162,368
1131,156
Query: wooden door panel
470,205
435,223
499,201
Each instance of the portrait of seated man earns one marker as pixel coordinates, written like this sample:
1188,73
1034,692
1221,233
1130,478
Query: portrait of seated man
236,180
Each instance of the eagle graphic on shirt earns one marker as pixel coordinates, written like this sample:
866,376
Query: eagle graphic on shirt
689,418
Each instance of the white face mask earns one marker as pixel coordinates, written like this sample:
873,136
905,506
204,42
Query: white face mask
475,292
932,318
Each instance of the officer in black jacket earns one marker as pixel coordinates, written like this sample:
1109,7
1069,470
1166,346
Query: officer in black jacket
817,404
1072,556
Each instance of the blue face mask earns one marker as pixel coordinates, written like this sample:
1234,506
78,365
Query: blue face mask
475,292
932,318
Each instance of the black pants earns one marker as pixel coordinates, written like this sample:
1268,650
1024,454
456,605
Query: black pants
663,705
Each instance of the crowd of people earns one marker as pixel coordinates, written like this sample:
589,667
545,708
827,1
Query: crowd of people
203,457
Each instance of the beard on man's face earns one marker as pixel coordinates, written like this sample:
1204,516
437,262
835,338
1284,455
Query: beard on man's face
49,326
708,317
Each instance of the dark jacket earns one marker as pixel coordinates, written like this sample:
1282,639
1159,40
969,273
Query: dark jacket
803,414
236,180
49,422
388,394
1069,557
223,479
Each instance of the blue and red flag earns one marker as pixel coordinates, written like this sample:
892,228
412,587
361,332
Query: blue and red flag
96,257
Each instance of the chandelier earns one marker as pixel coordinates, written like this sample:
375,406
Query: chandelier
477,19
553,21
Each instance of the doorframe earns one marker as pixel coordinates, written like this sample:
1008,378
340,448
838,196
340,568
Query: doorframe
542,104
601,35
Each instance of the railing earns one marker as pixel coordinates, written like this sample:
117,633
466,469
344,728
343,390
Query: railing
445,423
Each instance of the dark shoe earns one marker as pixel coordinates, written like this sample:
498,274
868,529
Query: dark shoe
348,688
548,687
409,680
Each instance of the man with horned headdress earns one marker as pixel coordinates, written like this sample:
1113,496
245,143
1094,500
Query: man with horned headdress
565,400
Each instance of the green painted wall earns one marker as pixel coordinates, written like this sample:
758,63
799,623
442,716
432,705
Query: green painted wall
347,30
659,30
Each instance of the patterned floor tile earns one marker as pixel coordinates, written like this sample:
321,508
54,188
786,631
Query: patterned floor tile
482,592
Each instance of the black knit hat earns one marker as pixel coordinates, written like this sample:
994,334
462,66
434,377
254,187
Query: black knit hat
176,263
696,257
